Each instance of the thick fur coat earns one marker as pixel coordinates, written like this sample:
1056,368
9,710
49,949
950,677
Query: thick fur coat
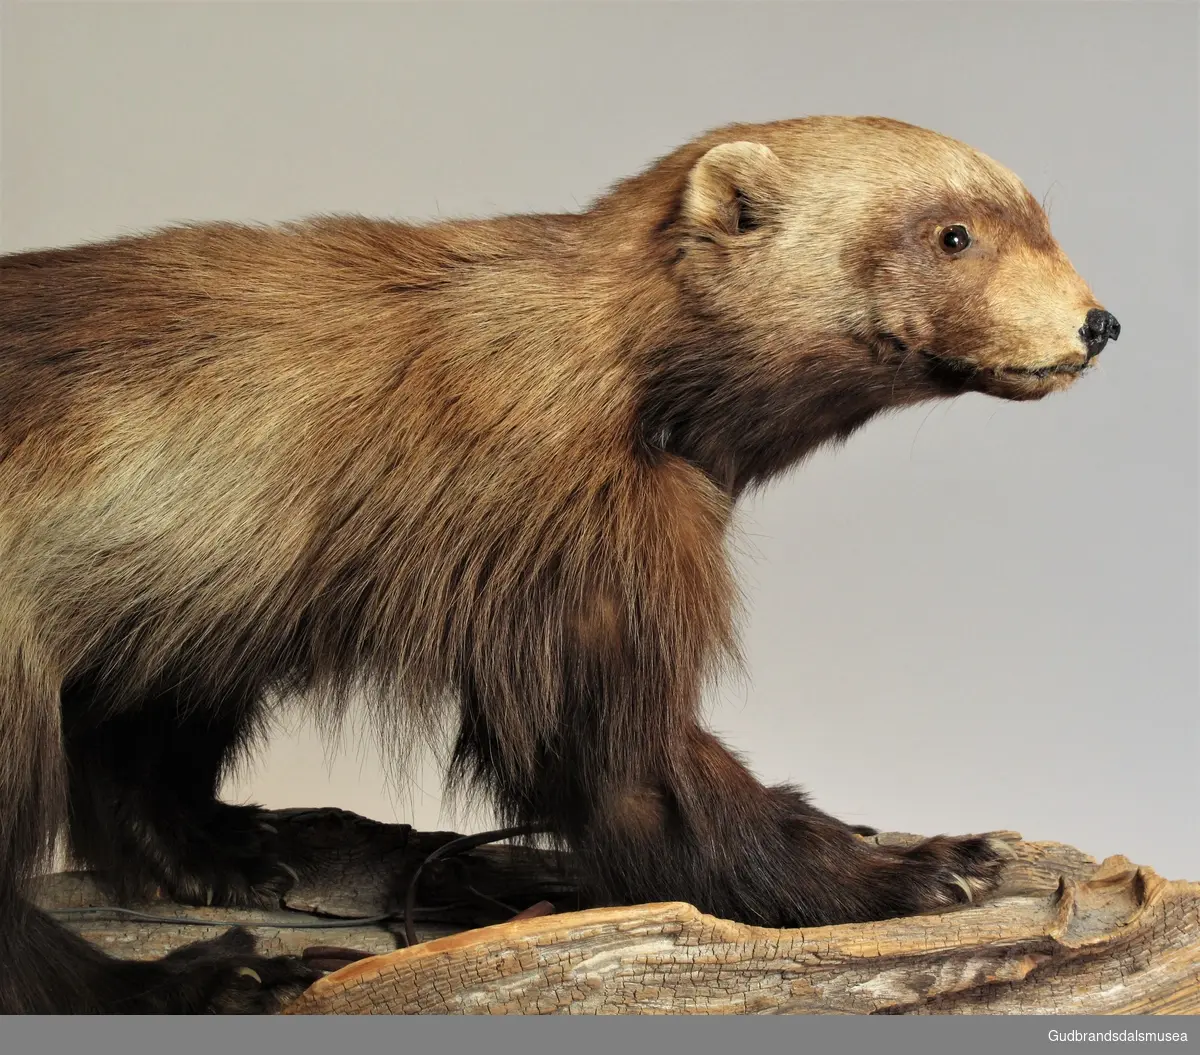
480,470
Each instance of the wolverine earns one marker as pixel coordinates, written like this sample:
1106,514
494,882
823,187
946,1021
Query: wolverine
480,472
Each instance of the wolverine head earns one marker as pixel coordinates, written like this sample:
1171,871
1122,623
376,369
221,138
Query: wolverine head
896,253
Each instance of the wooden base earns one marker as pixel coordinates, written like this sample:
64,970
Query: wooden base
1063,935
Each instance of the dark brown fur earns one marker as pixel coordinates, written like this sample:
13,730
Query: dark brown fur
484,469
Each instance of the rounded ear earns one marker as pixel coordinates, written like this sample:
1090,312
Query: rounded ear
733,188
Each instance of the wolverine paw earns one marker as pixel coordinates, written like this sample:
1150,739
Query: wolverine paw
231,860
223,976
945,871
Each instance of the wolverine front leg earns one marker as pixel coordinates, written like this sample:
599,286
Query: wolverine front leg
601,742
706,832
661,816
144,812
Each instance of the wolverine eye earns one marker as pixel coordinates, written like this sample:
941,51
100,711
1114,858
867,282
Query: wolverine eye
955,238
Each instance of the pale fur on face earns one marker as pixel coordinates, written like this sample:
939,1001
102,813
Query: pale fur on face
844,248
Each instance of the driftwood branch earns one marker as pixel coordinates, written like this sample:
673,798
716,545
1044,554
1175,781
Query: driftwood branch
1064,934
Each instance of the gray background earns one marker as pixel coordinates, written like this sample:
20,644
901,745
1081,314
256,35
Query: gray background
977,615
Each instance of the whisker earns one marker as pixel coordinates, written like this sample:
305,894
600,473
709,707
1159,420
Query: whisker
1046,197
913,446
900,366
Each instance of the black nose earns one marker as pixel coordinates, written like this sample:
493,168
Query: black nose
1098,329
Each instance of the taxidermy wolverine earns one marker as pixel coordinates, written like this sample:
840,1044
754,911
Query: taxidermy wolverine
483,469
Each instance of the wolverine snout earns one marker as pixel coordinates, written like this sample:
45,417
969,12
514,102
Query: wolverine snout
1098,329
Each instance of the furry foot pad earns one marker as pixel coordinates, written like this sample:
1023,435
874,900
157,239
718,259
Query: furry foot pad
228,857
944,871
225,977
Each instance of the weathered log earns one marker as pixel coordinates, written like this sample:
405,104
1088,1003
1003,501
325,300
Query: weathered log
349,871
1063,934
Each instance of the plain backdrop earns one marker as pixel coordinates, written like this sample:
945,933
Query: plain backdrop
977,615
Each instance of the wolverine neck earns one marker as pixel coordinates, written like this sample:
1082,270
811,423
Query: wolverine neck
703,404
741,412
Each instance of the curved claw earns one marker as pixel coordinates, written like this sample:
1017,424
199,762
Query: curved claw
290,871
250,972
964,886
1004,845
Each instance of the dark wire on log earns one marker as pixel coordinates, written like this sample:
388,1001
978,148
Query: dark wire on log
447,850
450,849
109,911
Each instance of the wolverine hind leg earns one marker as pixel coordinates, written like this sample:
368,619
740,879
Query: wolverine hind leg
143,806
44,967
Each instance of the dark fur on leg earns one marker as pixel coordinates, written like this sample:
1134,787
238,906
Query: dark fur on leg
717,838
706,832
49,970
46,969
143,807
660,810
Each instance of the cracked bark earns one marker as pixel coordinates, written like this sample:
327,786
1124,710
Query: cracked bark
1064,934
